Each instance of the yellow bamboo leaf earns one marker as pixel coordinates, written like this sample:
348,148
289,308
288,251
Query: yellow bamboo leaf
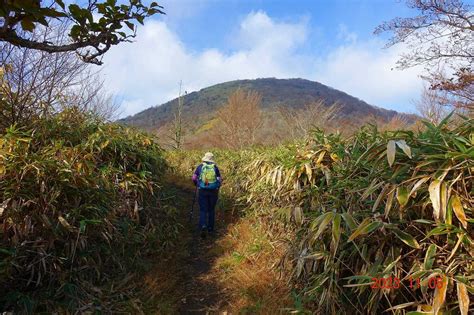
321,157
103,145
458,243
298,215
388,204
274,177
458,210
280,173
405,148
3,205
440,295
418,185
435,196
391,147
463,298
65,223
443,189
309,171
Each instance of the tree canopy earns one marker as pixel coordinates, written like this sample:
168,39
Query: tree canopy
95,25
441,38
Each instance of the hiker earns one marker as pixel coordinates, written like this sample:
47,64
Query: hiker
208,180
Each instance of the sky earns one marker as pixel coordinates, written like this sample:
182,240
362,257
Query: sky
205,42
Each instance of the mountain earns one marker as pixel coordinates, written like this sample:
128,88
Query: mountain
293,93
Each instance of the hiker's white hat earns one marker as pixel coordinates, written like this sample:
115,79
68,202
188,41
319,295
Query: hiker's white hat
208,157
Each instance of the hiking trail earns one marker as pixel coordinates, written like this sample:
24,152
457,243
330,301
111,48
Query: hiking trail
185,282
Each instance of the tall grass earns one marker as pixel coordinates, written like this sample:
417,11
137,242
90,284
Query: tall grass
78,204
376,205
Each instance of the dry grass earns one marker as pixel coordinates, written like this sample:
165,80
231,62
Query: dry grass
247,273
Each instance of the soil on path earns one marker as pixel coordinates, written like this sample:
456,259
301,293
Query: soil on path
194,288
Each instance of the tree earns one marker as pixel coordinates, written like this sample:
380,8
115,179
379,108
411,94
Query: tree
36,83
95,26
177,131
440,37
299,122
240,119
431,105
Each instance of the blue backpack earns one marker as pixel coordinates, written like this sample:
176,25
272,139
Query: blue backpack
208,177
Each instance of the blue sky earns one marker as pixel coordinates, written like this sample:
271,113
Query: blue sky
209,41
324,19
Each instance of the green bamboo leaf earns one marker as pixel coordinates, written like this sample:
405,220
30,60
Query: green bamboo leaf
429,257
364,228
402,195
349,220
406,238
391,265
326,218
336,233
400,306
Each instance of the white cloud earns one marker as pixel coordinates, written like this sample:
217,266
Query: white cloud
345,34
148,71
364,70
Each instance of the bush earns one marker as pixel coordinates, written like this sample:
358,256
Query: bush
77,204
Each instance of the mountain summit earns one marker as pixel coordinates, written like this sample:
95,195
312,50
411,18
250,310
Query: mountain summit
291,93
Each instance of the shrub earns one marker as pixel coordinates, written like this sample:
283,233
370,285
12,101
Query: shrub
77,203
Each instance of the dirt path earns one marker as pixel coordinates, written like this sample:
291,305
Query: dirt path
195,287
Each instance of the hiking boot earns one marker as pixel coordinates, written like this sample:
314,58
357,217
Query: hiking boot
203,232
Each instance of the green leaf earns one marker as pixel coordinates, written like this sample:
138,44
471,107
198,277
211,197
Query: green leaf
365,227
400,306
60,3
27,25
402,195
74,9
336,232
130,25
406,238
361,277
75,31
424,221
429,257
440,230
326,218
349,220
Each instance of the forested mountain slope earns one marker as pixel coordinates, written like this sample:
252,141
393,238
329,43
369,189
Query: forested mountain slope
290,93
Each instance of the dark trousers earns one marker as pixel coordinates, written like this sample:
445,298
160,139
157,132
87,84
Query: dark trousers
207,207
